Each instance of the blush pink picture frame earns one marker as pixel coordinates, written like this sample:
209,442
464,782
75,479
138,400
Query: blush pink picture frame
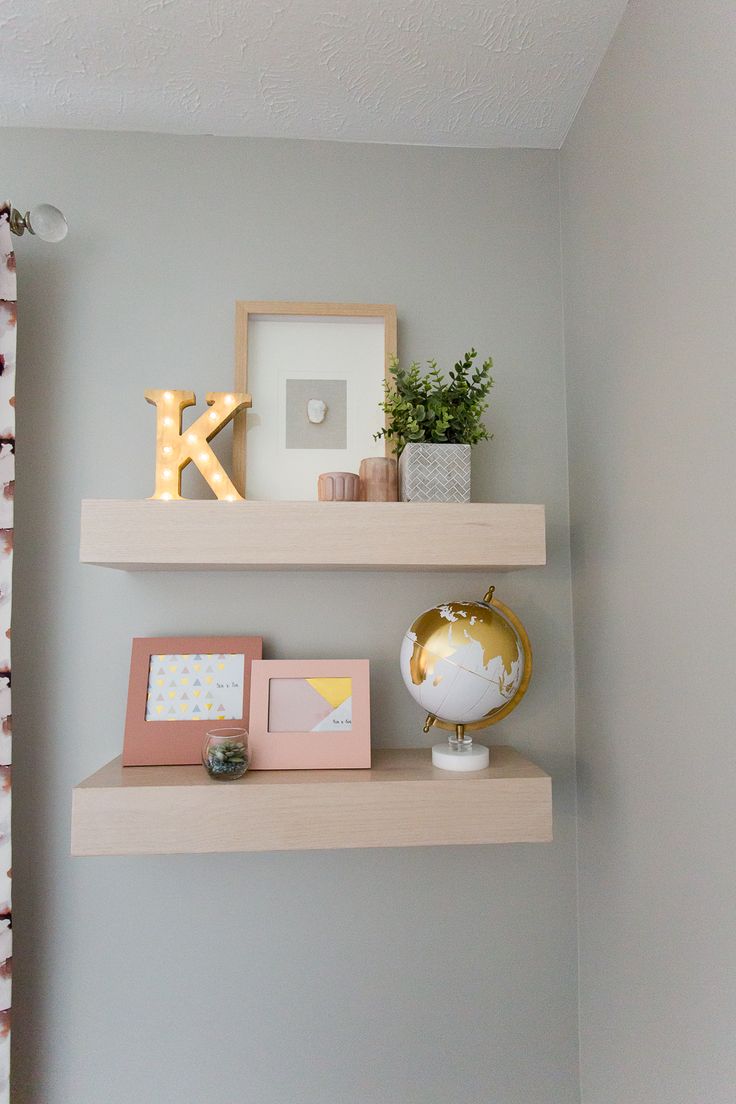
168,743
305,750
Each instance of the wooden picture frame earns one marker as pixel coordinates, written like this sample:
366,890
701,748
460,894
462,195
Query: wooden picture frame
248,312
291,744
152,736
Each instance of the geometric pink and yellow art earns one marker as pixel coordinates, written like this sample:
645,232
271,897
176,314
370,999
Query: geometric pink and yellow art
195,687
310,714
310,705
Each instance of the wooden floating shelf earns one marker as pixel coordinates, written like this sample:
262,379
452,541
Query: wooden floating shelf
398,536
402,801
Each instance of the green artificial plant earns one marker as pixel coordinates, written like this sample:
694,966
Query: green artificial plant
431,408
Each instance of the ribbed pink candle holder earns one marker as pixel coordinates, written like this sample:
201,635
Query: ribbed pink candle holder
338,487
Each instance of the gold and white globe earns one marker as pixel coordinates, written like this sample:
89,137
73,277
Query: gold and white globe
466,664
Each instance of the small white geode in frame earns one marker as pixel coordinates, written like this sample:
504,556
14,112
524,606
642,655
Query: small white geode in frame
316,411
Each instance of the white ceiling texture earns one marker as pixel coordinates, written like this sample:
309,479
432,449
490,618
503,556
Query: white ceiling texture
434,72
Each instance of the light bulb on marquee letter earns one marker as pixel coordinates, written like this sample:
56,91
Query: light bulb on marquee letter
192,447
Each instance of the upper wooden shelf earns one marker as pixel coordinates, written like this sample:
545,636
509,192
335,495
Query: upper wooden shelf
193,534
401,801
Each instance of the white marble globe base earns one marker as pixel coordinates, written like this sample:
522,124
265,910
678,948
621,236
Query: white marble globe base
448,758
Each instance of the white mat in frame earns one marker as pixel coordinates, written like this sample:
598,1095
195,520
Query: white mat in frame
277,342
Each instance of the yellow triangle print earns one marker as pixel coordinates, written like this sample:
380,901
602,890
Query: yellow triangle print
333,690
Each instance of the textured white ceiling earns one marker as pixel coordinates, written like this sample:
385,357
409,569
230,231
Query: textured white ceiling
444,72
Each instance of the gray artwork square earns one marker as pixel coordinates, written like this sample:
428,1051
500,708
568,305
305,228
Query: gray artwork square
332,432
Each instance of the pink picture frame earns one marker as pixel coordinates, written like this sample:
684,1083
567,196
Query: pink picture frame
282,732
160,740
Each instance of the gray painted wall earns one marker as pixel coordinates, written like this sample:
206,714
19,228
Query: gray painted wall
396,977
650,271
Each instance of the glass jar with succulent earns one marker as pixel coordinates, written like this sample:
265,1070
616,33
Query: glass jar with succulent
432,422
225,753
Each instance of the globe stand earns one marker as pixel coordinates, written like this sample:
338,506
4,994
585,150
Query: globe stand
459,753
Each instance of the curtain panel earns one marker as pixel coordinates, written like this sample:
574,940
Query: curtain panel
8,318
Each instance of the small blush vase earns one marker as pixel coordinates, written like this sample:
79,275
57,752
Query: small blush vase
338,487
379,480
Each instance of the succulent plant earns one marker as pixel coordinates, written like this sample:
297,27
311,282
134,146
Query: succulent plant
226,760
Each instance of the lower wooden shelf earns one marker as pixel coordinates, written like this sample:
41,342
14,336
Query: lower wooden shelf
402,801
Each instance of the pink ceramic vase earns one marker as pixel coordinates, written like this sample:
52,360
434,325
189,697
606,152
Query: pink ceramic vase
379,480
338,487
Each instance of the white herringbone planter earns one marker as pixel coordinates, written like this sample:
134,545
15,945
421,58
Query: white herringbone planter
434,473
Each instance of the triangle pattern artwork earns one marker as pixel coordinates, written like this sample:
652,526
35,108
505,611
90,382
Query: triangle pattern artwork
227,679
